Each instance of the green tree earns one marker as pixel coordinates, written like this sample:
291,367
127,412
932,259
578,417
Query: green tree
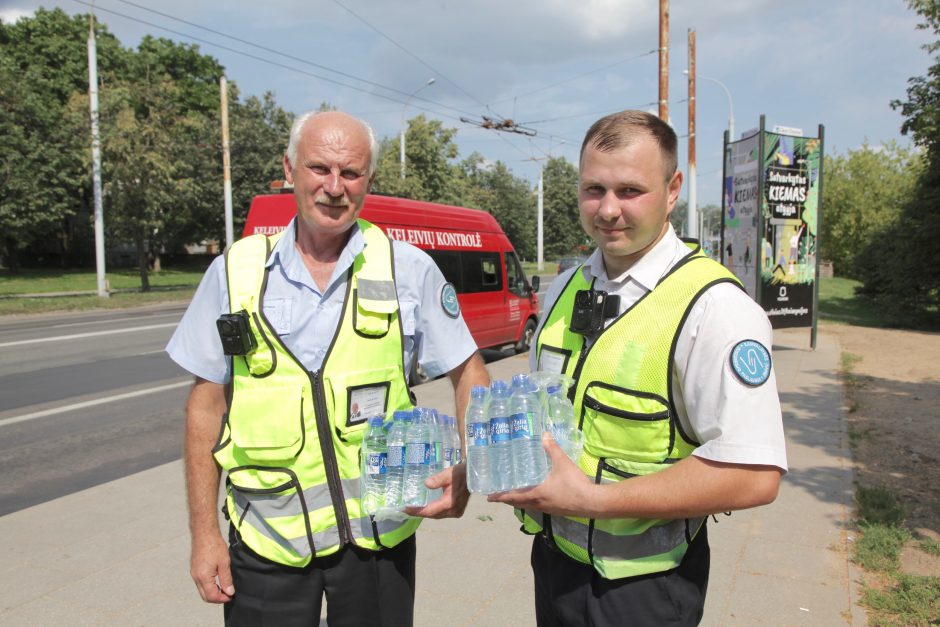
863,194
258,130
43,193
562,222
904,262
493,188
430,172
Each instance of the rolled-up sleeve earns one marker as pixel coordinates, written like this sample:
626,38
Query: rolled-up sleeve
195,345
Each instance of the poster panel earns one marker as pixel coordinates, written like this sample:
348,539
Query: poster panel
789,206
740,204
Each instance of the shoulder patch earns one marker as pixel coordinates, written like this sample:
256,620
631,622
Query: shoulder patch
750,362
449,300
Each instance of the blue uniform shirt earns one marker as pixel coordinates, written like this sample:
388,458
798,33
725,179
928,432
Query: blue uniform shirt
306,319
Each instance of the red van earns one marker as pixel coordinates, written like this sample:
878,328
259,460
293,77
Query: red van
471,249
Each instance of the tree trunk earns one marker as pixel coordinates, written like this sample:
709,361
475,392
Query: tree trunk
13,260
143,264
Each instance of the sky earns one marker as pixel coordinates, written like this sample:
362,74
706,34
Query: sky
555,66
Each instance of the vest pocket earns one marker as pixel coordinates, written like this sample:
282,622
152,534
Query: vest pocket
268,425
270,512
356,397
622,423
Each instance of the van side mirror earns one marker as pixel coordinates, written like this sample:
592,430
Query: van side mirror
535,283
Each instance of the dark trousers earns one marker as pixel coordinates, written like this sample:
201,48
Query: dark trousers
572,594
363,588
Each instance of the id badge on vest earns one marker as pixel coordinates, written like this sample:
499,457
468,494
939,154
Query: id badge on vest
553,360
367,401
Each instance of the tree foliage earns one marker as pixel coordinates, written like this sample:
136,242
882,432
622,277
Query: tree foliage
562,230
904,272
863,195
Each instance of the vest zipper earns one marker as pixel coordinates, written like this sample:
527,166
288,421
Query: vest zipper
329,460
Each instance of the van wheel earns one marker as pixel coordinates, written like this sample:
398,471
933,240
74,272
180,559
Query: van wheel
528,331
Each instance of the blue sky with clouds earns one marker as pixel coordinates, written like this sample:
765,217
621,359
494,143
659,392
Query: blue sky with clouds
556,65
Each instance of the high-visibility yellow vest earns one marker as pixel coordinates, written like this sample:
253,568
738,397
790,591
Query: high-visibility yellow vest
623,401
289,441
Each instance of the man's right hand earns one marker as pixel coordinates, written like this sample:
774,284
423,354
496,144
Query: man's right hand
210,569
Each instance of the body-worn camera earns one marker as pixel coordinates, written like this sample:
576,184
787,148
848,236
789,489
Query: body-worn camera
591,308
235,332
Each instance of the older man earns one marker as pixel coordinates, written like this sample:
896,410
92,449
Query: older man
310,323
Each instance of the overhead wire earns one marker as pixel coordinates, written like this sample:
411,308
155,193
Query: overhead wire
411,54
98,7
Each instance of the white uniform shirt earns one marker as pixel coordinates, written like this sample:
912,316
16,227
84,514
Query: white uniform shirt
734,422
306,319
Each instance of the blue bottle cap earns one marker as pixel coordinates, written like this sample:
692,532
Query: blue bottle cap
401,414
376,421
553,389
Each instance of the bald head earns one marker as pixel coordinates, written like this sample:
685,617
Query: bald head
325,121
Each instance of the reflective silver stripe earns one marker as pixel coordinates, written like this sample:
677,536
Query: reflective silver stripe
370,289
277,505
362,527
300,545
606,546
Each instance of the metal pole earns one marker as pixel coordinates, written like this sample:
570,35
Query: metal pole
96,159
226,166
541,255
664,60
694,229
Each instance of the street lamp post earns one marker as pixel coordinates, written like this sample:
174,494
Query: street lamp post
730,102
401,143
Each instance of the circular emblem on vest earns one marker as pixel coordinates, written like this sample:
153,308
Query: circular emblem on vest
750,361
449,300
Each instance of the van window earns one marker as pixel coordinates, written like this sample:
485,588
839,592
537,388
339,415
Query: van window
515,277
470,271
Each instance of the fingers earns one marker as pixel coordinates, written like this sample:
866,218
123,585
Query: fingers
211,571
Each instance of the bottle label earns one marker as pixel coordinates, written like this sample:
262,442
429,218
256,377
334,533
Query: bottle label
499,428
520,426
478,434
448,456
396,456
418,453
458,456
376,463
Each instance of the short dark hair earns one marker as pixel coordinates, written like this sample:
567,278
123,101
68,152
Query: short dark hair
620,129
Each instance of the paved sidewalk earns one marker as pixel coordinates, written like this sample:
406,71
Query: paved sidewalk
117,554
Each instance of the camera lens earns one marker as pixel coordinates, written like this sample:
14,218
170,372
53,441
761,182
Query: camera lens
226,327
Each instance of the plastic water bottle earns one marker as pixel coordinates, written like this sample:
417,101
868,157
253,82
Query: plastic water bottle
374,467
396,460
455,437
479,465
560,419
417,460
500,437
530,464
447,436
437,450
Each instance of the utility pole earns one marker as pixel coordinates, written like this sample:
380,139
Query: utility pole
694,230
96,158
226,166
540,238
664,60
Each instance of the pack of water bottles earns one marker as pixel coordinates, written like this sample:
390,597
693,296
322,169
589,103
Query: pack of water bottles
399,455
504,431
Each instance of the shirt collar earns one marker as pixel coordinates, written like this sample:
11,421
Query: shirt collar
285,254
647,271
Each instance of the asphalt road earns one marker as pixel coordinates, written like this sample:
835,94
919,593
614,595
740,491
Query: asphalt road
89,397
86,398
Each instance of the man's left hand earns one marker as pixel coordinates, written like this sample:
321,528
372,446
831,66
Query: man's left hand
566,491
453,502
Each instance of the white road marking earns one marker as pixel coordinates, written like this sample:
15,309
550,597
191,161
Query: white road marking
59,338
92,403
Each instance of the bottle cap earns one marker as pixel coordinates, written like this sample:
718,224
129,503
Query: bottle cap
401,414
554,389
376,421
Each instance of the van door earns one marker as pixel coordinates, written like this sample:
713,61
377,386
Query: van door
517,298
478,279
